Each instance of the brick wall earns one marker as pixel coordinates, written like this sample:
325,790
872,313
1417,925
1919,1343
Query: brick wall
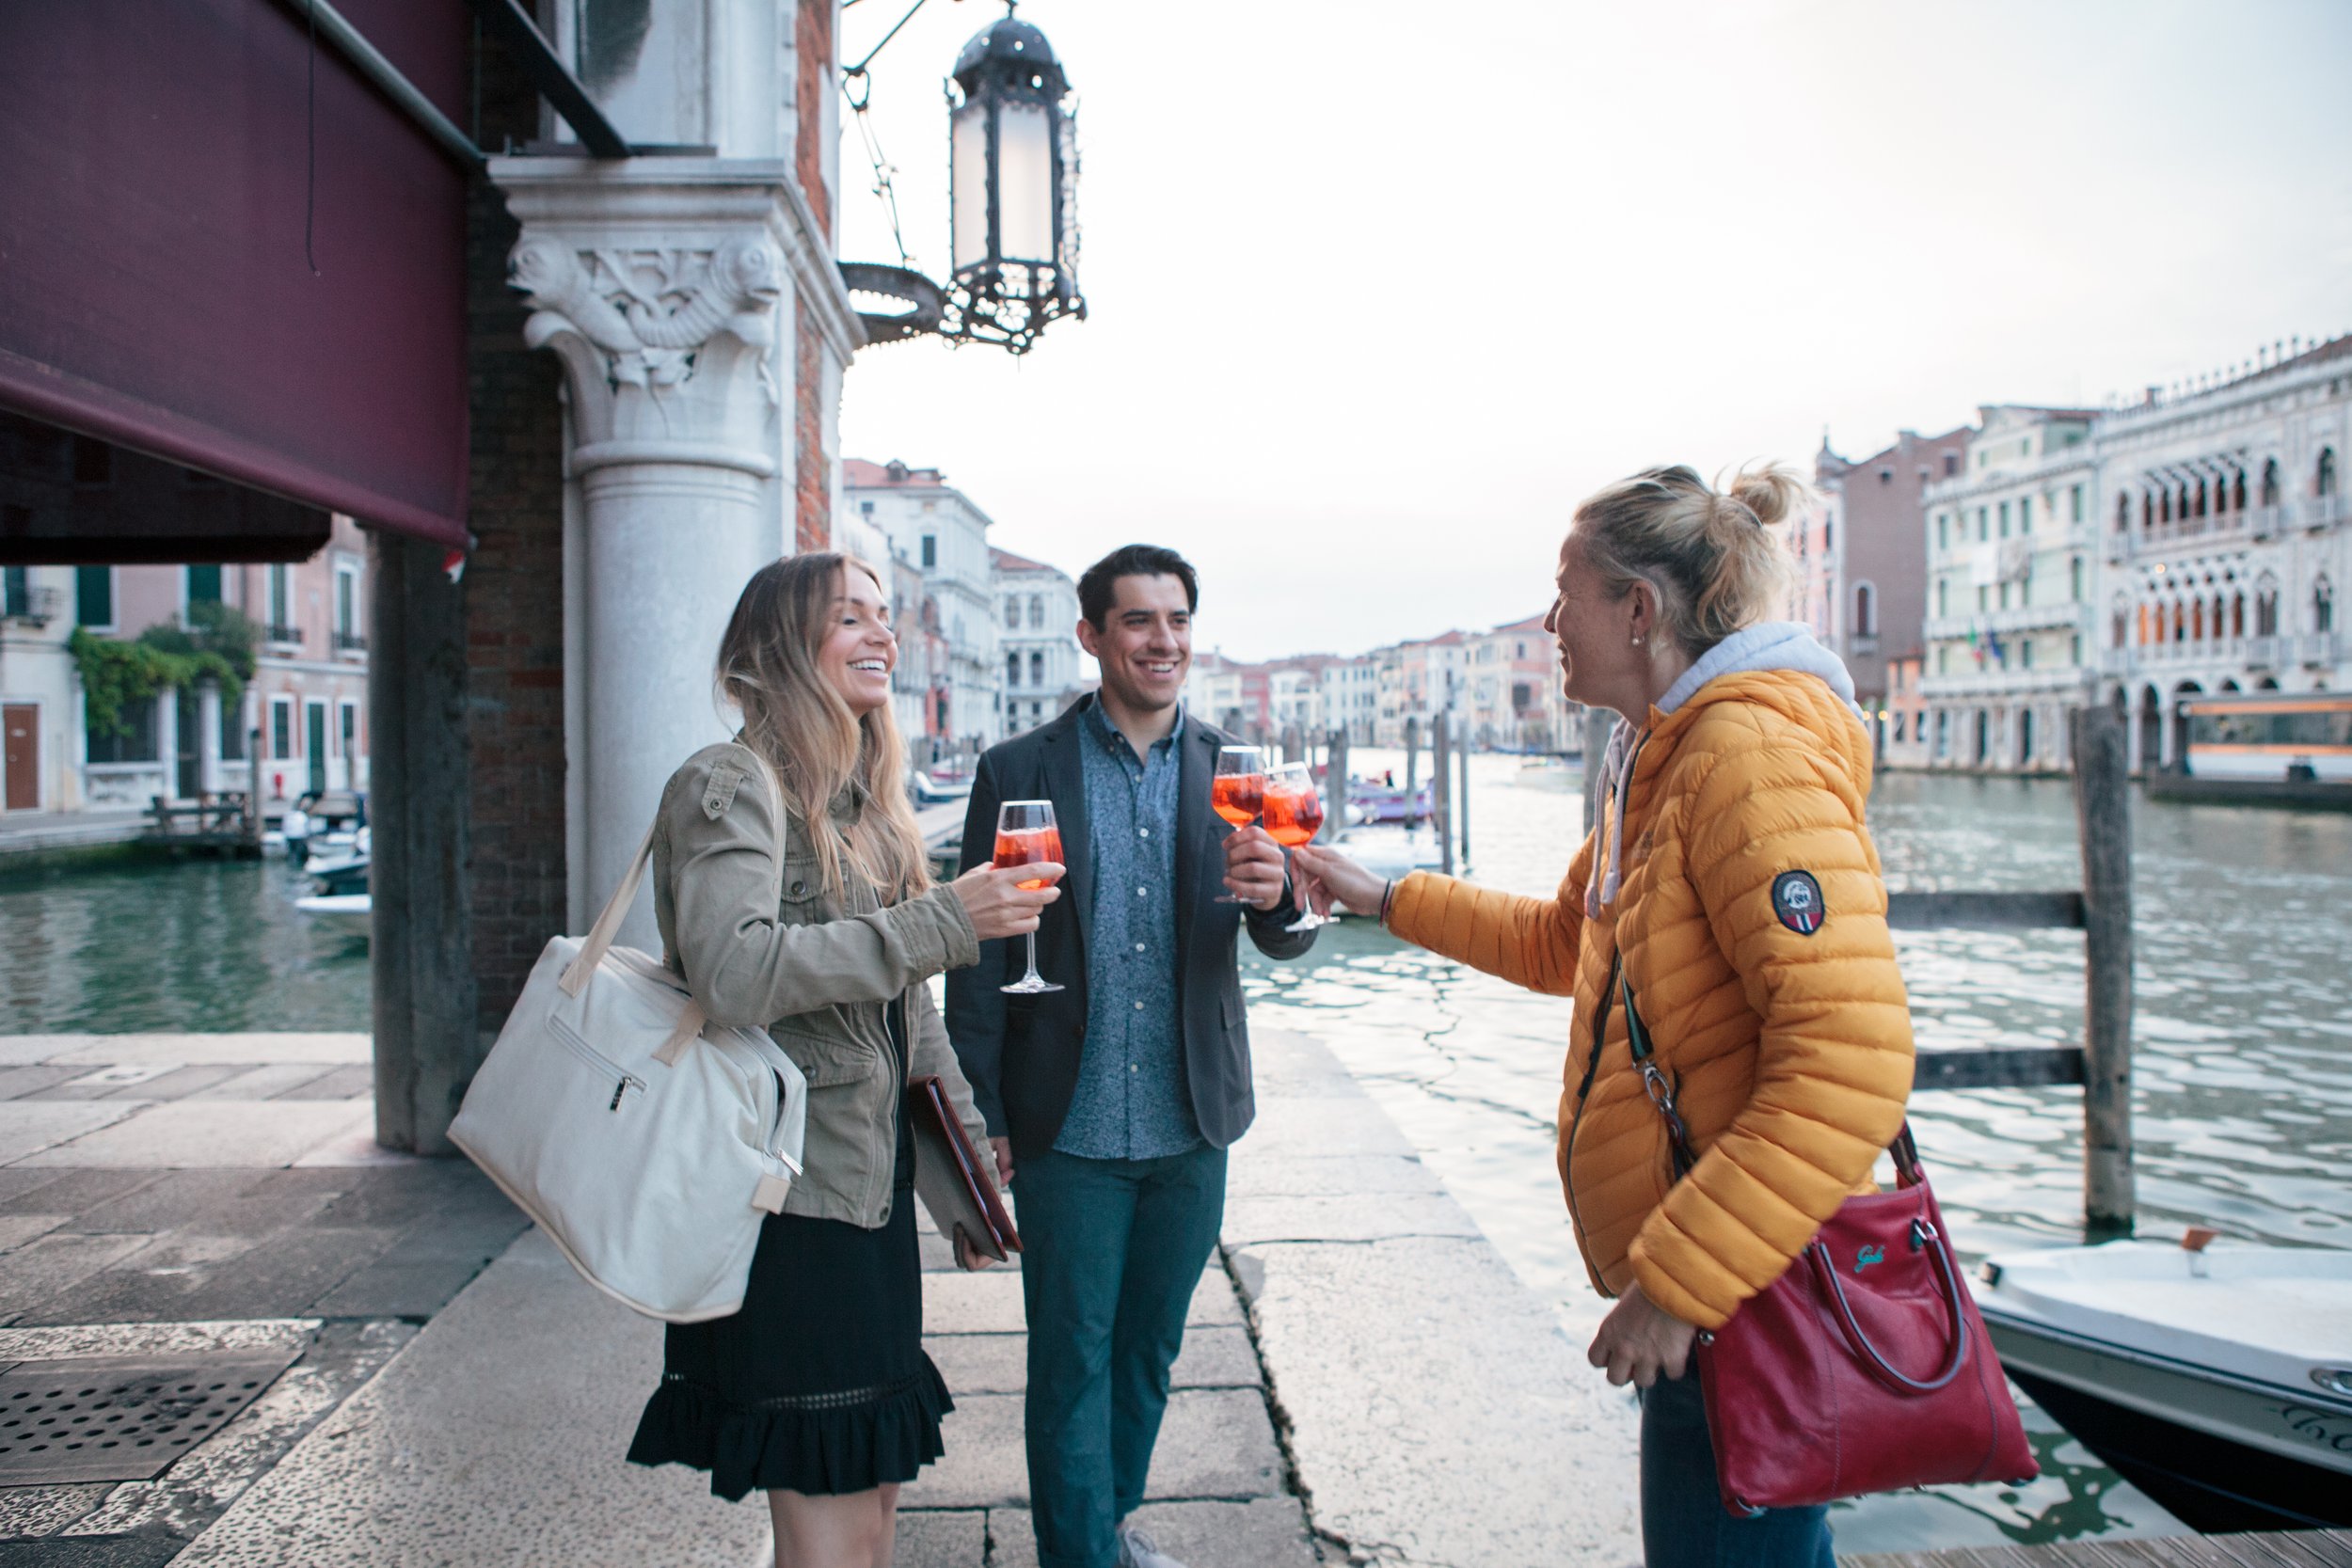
514,589
811,486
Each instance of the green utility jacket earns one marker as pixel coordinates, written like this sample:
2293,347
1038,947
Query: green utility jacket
774,953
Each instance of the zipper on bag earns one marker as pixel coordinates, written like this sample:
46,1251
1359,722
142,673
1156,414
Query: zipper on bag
624,1080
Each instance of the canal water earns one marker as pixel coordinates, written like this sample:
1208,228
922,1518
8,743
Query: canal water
2244,1031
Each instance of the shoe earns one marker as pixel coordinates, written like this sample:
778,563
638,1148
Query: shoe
1136,1550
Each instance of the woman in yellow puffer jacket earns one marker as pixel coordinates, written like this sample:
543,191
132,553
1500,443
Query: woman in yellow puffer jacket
1732,884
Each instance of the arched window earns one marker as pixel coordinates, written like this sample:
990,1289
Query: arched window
2324,483
2201,498
2180,624
2237,615
1865,611
2237,492
2143,626
2219,605
2270,481
2147,510
2266,608
2323,605
2163,506
2121,621
1012,669
1036,667
2197,620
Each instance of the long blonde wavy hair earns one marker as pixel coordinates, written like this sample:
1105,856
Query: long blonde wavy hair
797,719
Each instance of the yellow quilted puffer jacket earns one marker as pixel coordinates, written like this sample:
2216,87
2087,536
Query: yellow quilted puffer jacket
1751,918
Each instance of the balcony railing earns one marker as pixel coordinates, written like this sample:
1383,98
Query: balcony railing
2262,653
2015,618
290,637
350,642
38,606
2323,511
2322,648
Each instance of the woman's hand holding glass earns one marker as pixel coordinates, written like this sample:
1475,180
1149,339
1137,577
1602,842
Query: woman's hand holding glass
999,905
1332,877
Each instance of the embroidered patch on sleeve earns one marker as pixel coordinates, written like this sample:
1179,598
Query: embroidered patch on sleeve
1797,900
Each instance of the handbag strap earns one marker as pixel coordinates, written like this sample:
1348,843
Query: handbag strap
1662,1094
608,921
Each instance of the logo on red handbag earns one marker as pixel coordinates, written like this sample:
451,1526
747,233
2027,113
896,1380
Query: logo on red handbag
1797,900
1868,1256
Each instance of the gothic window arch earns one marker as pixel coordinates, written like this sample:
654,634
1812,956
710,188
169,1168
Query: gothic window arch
2270,481
2323,604
2266,606
2237,492
2237,615
2122,514
1865,621
2201,498
2324,481
2197,620
2143,626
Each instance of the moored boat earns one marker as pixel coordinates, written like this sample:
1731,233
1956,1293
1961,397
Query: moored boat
2218,1381
351,913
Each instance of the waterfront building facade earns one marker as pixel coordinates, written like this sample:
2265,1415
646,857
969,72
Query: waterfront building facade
1861,559
940,532
1044,664
1904,743
1511,690
2009,554
1351,697
2224,539
307,697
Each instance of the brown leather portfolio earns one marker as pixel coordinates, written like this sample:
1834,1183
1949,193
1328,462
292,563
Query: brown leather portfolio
949,1174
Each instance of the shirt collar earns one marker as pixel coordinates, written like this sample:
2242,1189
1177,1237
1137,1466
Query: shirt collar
1098,724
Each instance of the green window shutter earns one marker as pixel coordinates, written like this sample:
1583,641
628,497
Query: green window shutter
94,595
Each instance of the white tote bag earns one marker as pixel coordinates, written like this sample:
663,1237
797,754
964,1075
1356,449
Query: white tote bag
646,1141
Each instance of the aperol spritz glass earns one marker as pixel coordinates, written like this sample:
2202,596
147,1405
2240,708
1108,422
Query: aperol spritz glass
1294,815
1027,835
1236,791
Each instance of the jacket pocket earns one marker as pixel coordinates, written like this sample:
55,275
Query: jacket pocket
825,1056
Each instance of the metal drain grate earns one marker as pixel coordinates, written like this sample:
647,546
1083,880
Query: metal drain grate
122,1417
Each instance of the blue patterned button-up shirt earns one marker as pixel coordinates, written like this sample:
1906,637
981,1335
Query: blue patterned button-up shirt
1132,1102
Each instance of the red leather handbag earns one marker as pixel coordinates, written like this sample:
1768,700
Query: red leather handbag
1864,1367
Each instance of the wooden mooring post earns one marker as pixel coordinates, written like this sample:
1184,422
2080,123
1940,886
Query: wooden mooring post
1461,798
2103,912
2103,817
1334,785
1598,722
1412,763
1440,787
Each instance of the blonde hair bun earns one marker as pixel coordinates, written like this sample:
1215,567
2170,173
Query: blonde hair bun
1714,557
1772,491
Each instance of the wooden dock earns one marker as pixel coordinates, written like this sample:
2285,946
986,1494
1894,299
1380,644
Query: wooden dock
2329,1548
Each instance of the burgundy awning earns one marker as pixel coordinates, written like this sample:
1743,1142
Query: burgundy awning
154,291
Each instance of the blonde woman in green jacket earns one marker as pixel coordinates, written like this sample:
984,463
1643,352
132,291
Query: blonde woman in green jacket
793,894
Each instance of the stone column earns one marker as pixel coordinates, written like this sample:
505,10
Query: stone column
667,286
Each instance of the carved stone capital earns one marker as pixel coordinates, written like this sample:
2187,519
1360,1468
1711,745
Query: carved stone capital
663,345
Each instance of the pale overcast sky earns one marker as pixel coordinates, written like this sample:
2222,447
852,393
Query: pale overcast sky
1380,289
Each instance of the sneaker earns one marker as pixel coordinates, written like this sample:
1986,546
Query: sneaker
1136,1550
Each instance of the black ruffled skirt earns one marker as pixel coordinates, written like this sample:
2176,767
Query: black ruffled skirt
819,1385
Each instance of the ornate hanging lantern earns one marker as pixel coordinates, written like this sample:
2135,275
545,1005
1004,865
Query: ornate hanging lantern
1013,172
1012,166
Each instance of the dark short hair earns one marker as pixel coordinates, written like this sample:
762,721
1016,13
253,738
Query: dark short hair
1098,586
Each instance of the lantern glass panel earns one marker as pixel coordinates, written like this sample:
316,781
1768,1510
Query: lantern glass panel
1025,182
967,176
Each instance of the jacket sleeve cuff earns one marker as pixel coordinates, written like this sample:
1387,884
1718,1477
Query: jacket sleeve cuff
941,931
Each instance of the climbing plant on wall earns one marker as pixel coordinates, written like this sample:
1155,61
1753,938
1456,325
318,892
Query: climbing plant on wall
217,645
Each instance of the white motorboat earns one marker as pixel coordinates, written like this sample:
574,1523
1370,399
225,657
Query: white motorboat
2218,1381
347,913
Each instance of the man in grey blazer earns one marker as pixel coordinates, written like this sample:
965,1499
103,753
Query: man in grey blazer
1115,1099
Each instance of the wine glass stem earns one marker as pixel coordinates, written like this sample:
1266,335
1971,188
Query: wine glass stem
1033,974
